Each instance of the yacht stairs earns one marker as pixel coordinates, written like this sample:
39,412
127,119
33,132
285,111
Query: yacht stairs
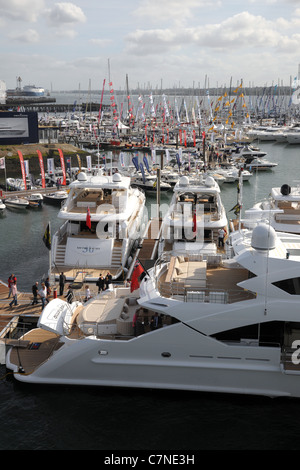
60,255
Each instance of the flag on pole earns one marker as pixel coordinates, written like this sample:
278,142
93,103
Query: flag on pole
2,163
88,218
47,237
138,270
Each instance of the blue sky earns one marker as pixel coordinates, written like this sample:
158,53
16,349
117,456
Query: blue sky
66,45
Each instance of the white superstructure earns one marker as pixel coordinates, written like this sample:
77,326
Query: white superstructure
116,212
194,218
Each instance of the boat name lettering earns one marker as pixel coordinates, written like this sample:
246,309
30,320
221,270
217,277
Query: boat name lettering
87,249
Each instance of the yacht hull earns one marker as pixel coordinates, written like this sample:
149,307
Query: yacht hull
138,364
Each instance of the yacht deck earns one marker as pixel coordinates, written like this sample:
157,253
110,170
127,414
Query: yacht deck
200,281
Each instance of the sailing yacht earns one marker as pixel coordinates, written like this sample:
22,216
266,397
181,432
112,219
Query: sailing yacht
232,328
102,218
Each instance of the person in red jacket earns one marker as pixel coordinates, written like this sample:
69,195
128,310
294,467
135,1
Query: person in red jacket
12,278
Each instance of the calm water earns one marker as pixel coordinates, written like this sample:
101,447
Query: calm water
66,418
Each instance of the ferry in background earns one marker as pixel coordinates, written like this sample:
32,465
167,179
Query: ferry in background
27,90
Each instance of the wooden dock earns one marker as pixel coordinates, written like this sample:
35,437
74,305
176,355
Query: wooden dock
6,194
24,306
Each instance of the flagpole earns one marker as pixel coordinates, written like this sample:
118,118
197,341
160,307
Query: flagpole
5,176
50,250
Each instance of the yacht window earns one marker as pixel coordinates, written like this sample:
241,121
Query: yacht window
291,286
268,333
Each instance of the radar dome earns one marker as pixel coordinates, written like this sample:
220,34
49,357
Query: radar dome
263,237
82,176
209,181
184,181
117,178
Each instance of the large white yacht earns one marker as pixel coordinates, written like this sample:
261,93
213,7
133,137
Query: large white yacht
194,218
116,212
232,328
281,209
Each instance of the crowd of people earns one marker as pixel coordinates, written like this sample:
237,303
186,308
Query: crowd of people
42,292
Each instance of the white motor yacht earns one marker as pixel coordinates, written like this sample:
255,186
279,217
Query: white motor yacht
228,328
281,210
148,183
116,212
194,217
18,203
35,199
260,165
56,198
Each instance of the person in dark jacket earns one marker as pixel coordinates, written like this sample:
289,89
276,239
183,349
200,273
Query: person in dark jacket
70,295
35,289
100,283
62,281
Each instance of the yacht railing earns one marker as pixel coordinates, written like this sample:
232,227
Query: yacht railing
15,330
178,291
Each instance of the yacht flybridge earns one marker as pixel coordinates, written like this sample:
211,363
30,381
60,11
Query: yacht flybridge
231,327
115,211
194,218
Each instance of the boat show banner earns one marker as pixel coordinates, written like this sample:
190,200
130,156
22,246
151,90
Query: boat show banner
41,161
22,168
62,164
18,128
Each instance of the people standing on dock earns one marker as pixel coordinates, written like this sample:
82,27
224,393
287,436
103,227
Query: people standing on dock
12,278
62,281
43,295
47,284
70,295
14,292
35,289
87,293
108,279
100,283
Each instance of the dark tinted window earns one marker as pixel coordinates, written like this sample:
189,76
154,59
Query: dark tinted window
291,286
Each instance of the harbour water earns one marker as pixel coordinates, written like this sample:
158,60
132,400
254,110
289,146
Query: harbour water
76,418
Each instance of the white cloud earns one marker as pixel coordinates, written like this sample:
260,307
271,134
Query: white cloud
65,13
29,37
101,42
241,30
165,11
24,10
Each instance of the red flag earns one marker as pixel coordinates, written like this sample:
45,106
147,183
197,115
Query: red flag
62,164
194,223
42,168
88,218
22,168
138,270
